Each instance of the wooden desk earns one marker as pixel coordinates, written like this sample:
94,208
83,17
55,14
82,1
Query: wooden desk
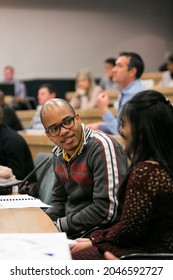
155,76
166,91
93,115
37,143
25,220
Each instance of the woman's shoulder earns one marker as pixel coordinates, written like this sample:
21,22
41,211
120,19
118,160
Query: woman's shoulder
152,176
146,170
143,168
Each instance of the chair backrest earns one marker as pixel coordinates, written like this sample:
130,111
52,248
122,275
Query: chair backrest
45,176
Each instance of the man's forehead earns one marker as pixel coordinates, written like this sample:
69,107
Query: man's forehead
123,58
51,117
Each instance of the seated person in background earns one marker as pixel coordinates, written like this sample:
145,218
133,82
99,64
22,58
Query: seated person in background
86,91
45,92
106,82
10,117
14,151
128,69
163,67
167,78
20,89
146,222
6,173
88,167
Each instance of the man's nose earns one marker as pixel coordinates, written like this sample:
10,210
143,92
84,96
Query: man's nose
63,130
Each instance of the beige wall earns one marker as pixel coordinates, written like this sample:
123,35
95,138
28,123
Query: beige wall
53,38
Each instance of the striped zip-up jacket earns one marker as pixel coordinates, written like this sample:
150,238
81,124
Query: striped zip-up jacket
85,194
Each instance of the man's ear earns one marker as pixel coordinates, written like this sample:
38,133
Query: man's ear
78,118
133,71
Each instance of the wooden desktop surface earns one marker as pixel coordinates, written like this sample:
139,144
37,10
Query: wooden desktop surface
25,220
93,114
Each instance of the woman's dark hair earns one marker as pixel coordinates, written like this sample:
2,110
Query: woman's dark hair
151,119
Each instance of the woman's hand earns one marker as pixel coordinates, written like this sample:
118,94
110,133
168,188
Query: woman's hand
103,101
6,173
80,244
110,256
80,92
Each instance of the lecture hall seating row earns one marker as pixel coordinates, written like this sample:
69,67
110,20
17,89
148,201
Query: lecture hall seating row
41,143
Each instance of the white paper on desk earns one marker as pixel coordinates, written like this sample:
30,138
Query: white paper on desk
20,201
38,246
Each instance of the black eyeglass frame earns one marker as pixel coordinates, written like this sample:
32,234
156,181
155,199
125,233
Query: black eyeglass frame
58,126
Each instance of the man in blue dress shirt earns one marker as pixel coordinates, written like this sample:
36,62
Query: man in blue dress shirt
128,69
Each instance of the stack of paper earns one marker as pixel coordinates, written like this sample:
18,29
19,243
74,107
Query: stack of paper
21,201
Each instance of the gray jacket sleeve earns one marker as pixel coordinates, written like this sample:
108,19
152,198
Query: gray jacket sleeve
59,198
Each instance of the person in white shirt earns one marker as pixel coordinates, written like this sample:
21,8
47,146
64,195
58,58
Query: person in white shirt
167,78
45,92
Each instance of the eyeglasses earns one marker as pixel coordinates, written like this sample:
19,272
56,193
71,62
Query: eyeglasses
55,129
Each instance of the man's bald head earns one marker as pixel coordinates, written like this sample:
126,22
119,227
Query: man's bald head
55,105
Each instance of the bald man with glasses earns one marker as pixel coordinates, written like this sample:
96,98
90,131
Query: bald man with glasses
88,166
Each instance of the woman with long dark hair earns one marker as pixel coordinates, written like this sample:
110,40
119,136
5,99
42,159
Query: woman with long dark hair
146,194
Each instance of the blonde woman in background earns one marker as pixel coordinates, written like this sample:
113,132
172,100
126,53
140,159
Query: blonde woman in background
86,91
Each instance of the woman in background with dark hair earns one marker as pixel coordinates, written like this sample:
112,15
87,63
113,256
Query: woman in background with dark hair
146,223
